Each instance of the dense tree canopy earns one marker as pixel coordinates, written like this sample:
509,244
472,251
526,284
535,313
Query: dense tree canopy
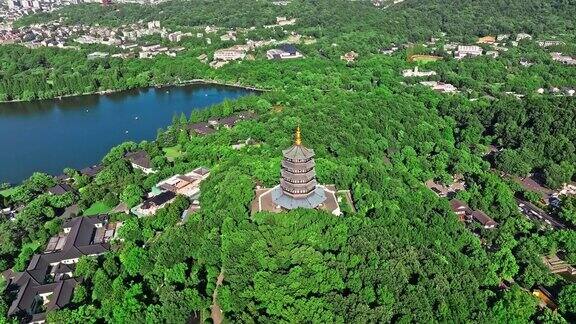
402,256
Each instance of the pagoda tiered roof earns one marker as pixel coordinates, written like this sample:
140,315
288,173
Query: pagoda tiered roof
298,153
298,177
298,189
298,167
313,200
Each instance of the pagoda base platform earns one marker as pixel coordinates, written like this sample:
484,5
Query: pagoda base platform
324,198
310,201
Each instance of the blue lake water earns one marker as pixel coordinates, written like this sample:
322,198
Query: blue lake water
76,132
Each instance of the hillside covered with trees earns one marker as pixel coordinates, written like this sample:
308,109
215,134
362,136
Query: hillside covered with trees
402,255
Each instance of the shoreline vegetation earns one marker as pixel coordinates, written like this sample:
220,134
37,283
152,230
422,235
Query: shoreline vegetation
157,86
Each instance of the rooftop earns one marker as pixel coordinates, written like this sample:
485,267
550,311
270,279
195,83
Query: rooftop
91,170
289,48
48,277
201,128
484,219
184,184
60,189
140,158
159,199
264,201
298,152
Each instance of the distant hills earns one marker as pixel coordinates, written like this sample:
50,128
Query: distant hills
481,17
410,20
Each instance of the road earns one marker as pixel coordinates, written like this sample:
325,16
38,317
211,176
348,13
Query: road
535,213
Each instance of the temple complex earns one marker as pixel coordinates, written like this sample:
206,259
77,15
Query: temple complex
298,187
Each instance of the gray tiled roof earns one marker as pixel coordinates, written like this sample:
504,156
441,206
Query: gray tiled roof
60,189
483,218
298,166
23,299
295,188
159,199
201,170
140,158
201,128
62,294
287,202
298,152
91,171
289,48
31,282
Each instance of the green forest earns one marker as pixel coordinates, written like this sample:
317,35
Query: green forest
402,256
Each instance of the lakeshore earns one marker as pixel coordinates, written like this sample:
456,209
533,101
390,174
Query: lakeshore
158,86
49,135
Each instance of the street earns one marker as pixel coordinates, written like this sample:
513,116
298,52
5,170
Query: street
537,214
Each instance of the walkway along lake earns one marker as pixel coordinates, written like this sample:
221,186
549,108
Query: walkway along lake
76,132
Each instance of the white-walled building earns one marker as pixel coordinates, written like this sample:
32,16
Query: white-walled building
230,54
417,73
285,51
467,50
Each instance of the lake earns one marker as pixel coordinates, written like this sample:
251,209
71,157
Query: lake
49,135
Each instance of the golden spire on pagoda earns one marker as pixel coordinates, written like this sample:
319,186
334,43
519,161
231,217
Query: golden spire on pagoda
298,139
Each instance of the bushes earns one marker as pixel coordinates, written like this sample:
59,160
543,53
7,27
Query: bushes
25,255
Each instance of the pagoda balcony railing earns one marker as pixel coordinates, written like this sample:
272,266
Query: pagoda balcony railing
298,182
299,195
302,171
298,166
298,177
298,160
298,188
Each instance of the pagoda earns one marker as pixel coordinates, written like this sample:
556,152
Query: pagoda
298,187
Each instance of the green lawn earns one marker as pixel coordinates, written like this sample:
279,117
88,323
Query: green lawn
97,208
7,192
173,152
423,59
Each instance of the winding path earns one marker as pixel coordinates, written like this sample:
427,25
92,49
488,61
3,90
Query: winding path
216,310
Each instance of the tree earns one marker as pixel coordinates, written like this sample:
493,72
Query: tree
86,267
511,162
507,263
134,259
27,251
84,314
61,201
515,306
132,195
102,286
111,266
558,174
551,317
3,304
183,120
131,230
568,209
176,274
567,299
80,294
130,309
